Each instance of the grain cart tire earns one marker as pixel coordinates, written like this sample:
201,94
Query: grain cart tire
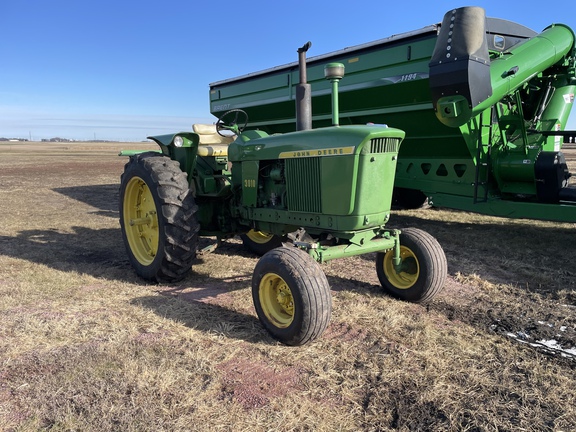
291,296
157,218
259,242
424,267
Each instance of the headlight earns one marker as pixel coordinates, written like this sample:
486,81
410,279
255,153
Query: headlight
178,141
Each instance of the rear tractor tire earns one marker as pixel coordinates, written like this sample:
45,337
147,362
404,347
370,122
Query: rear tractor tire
291,296
158,218
423,270
259,242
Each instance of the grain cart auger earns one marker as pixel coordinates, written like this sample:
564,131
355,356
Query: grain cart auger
484,103
328,191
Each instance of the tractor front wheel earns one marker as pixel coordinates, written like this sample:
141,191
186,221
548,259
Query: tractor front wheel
422,272
157,217
259,242
291,296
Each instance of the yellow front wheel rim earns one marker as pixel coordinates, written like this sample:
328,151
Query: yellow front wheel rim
259,236
141,221
410,270
276,300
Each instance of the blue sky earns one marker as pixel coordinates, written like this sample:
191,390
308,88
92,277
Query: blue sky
124,69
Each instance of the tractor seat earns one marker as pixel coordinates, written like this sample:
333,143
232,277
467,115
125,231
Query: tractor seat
211,143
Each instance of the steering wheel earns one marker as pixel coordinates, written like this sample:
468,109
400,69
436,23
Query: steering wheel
234,120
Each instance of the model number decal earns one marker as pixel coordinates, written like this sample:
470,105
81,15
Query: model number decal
408,77
220,107
404,78
250,183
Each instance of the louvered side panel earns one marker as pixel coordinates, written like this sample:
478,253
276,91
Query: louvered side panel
303,184
384,145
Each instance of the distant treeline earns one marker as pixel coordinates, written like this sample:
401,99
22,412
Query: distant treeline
56,139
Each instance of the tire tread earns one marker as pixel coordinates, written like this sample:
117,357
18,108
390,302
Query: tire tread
316,298
178,210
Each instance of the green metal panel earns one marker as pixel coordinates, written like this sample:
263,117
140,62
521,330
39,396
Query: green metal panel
432,175
509,209
337,195
185,155
375,183
271,83
556,115
376,79
332,141
269,220
249,183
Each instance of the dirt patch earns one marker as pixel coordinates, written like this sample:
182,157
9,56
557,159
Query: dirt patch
253,384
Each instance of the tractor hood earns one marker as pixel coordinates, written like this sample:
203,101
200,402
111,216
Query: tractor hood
326,142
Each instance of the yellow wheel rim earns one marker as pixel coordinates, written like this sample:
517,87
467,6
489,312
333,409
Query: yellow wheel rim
409,272
141,221
276,300
259,236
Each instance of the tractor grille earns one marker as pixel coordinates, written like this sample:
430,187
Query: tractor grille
303,184
384,145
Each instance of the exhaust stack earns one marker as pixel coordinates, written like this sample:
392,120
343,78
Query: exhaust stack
303,93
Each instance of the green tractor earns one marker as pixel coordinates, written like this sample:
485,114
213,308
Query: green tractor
298,199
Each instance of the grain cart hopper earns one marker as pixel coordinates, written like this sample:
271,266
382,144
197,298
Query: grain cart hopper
484,103
326,192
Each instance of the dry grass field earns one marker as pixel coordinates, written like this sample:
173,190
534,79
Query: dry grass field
87,346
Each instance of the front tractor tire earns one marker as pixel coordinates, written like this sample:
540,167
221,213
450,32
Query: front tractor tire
158,218
259,242
291,296
423,270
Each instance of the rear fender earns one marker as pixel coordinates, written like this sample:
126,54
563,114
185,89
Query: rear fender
185,152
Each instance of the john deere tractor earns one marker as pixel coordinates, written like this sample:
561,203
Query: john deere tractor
300,199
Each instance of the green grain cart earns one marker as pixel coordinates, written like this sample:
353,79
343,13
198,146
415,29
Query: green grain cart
484,103
318,194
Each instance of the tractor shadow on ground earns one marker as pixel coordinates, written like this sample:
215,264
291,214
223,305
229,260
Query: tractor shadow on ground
103,197
206,317
199,301
97,252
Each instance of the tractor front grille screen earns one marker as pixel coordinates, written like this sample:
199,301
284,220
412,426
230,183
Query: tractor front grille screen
384,145
303,184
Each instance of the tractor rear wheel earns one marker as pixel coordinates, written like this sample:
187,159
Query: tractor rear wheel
157,217
291,296
259,242
423,270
